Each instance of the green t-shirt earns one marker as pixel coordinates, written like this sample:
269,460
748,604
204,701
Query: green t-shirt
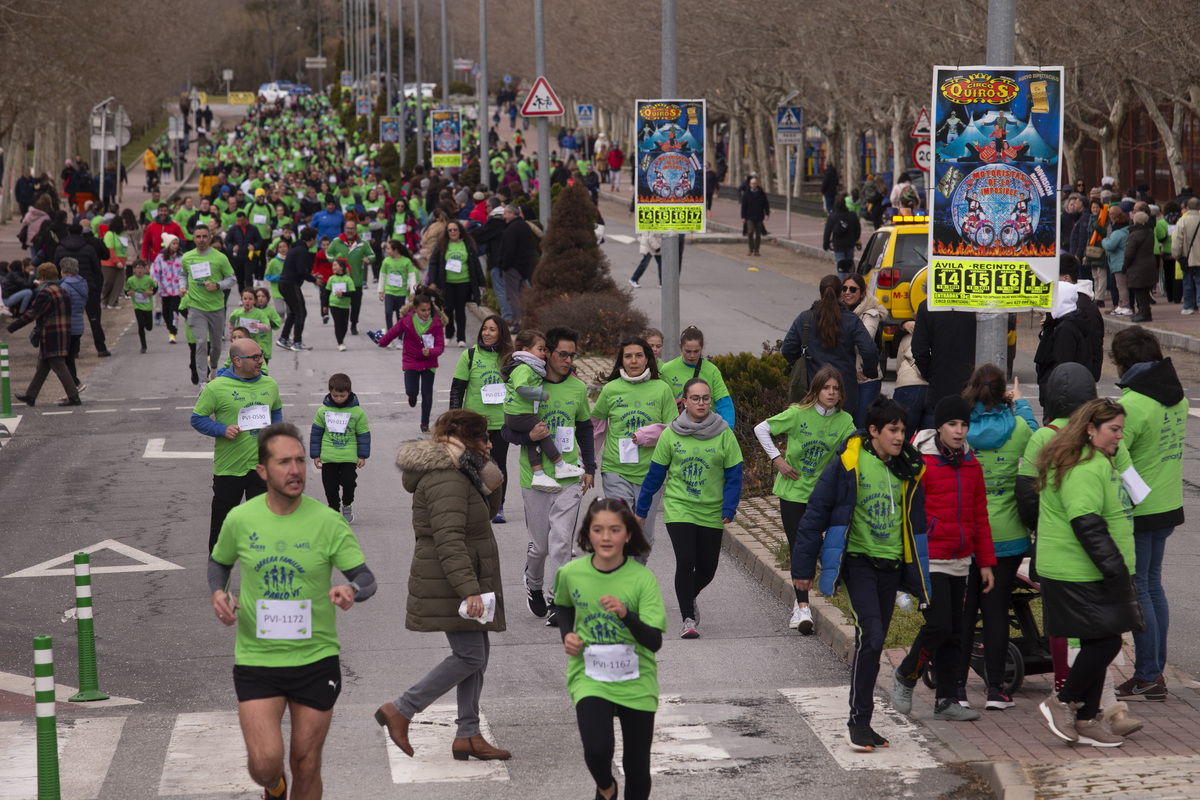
812,442
577,583
262,217
229,219
143,289
269,344
405,273
117,244
695,475
348,202
275,267
562,413
150,210
182,218
1000,469
457,270
1154,435
355,254
340,446
876,527
1037,441
342,299
480,368
257,321
521,377
223,398
629,406
1090,487
676,373
290,559
210,267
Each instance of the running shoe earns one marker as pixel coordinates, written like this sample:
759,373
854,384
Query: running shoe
858,736
1060,717
998,700
1097,733
499,518
688,631
282,796
1133,689
172,338
949,709
298,346
794,622
551,618
348,513
806,621
536,602
375,336
284,343
353,329
902,693
876,738
341,348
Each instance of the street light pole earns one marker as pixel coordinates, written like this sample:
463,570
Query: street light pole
482,128
387,27
400,74
539,36
445,59
991,328
320,53
420,91
299,43
670,242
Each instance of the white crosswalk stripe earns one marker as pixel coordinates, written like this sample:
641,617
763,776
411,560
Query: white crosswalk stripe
85,749
619,238
681,740
206,755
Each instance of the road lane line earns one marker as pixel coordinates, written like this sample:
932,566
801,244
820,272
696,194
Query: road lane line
101,411
206,755
152,408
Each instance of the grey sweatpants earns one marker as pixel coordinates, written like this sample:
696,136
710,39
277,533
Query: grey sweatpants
616,486
550,520
210,324
464,669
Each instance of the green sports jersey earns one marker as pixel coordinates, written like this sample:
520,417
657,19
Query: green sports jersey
813,439
223,399
1000,469
480,368
677,373
143,289
876,526
521,377
340,288
276,323
695,475
626,407
286,564
1037,441
1093,486
275,267
229,219
578,583
262,216
150,210
1154,435
397,274
201,268
348,201
258,322
340,429
355,253
182,218
117,244
457,268
562,413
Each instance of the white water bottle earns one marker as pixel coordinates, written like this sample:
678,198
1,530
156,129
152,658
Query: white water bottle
904,601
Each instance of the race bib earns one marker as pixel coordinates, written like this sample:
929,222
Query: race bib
339,289
395,279
286,619
454,265
610,663
260,219
628,451
402,228
427,340
564,438
201,270
253,418
337,421
492,394
138,297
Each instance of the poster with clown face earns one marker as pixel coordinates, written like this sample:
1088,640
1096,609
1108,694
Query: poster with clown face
670,165
993,191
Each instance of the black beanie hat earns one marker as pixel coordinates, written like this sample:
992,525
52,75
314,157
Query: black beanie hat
951,407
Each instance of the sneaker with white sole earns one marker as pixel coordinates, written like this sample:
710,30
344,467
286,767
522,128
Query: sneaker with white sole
1097,733
806,621
341,348
689,629
859,737
794,622
902,693
634,283
1060,717
998,700
1187,312
544,483
348,513
536,602
949,709
564,470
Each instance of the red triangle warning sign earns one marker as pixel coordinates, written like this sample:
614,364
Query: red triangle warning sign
542,101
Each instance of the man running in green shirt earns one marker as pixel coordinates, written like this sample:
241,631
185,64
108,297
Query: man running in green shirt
209,275
286,654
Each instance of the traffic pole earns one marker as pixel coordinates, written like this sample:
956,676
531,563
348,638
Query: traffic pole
89,685
47,723
788,183
543,133
670,242
420,92
6,411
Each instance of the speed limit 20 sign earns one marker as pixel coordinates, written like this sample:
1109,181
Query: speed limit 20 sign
922,155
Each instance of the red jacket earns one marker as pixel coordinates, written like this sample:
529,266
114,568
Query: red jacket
412,343
152,241
955,505
615,158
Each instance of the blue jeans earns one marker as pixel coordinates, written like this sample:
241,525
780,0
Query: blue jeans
501,294
1150,647
22,299
1191,281
913,400
645,262
867,392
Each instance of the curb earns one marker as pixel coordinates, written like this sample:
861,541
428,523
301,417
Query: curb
1179,341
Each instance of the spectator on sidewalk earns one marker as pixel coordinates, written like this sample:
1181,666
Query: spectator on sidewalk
1065,337
515,258
75,246
943,348
755,210
829,186
842,232
51,313
1187,254
1114,247
1141,265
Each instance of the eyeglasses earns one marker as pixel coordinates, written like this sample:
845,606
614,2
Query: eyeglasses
251,358
695,398
849,289
565,356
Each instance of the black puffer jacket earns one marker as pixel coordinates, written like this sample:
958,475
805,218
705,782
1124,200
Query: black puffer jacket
1141,266
943,348
78,248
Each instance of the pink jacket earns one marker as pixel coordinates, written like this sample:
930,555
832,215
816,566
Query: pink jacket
412,358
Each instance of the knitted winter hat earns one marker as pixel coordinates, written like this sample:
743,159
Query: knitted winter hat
949,408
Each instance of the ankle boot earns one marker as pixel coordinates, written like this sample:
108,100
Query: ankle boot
397,726
1119,721
468,746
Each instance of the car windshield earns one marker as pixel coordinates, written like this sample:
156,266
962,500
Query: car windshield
912,250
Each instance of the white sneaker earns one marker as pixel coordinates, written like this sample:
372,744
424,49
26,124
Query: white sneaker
806,621
794,622
564,470
341,347
1187,312
544,483
460,343
634,283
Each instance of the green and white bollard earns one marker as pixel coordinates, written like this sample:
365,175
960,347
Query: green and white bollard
5,390
47,733
89,685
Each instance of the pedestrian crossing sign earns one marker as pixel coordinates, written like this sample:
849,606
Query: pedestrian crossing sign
789,125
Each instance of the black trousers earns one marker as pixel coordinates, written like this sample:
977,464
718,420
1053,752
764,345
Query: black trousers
500,456
872,596
92,309
993,607
339,475
355,305
457,295
940,636
1141,301
72,352
145,322
790,514
170,307
341,322
228,491
595,718
420,381
243,268
1085,681
297,312
697,553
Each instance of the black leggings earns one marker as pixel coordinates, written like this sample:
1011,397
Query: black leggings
940,635
457,295
294,298
170,307
145,322
341,322
500,456
420,380
993,607
1085,681
790,513
697,553
595,718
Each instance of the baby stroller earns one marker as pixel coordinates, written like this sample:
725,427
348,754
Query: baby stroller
1028,650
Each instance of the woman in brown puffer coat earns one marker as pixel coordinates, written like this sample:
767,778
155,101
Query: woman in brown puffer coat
1141,265
455,562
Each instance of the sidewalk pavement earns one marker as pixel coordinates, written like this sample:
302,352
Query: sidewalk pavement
1014,749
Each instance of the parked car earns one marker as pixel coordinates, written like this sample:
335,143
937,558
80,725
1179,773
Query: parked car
275,90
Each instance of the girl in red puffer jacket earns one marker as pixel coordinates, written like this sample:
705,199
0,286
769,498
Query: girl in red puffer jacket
957,528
